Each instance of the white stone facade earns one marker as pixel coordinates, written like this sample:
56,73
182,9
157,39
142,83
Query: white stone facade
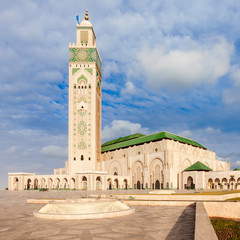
154,165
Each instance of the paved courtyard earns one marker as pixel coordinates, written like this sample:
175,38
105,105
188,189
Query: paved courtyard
147,223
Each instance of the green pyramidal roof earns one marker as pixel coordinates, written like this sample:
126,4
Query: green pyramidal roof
236,169
198,166
137,139
123,139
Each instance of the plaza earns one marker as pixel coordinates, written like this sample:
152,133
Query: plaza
148,222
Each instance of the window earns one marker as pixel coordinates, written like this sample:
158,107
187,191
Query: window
74,158
156,149
74,86
89,158
79,87
139,153
82,158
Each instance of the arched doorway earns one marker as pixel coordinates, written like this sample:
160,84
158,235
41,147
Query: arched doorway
15,183
210,183
72,183
109,183
98,183
29,184
138,185
57,183
125,184
35,183
217,184
190,184
224,183
84,183
65,183
50,183
157,184
43,183
116,183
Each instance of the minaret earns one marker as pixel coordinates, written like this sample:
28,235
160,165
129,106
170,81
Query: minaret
84,144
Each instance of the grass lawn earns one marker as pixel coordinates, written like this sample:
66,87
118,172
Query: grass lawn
233,199
226,229
210,192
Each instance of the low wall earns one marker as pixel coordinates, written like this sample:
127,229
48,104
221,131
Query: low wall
203,227
171,197
158,203
223,209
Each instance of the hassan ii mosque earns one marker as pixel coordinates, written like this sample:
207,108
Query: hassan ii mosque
159,161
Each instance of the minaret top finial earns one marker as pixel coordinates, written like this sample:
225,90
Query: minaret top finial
86,15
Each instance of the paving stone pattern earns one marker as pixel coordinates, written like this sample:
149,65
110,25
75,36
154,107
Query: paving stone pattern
147,223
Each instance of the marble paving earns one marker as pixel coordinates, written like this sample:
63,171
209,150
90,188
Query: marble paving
147,223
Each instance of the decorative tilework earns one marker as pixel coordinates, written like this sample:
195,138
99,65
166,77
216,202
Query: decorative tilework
82,112
84,27
82,145
82,77
82,127
89,70
85,55
74,70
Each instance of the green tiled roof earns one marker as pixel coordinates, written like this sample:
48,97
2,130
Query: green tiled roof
123,139
236,169
198,166
130,141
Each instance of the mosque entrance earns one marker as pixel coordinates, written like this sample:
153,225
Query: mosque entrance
157,185
138,185
28,184
190,184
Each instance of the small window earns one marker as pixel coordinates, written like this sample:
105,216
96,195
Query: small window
89,86
139,153
76,65
74,86
74,158
79,87
89,158
85,87
82,86
156,149
82,106
82,158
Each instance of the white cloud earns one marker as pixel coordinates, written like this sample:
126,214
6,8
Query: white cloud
211,130
54,151
129,88
12,149
121,128
182,69
186,133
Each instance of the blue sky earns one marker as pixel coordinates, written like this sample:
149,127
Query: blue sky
168,65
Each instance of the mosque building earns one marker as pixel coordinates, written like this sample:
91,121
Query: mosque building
159,161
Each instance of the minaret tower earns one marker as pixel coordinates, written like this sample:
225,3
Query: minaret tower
85,79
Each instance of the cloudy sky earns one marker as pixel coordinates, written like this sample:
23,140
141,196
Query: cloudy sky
168,65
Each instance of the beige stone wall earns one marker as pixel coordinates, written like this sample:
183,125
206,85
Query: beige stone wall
161,161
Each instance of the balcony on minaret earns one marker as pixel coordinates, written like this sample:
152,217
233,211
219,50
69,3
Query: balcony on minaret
85,34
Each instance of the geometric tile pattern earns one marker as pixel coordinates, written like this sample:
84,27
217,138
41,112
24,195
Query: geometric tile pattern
84,55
